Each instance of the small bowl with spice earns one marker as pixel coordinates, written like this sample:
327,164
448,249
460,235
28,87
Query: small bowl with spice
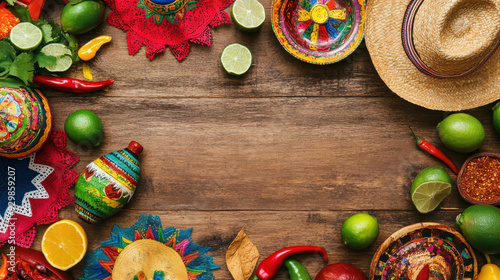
479,179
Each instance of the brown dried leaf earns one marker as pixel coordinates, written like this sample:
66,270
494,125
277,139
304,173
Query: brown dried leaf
242,257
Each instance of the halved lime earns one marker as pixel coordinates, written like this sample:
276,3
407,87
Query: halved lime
26,36
248,15
236,59
63,55
429,188
427,196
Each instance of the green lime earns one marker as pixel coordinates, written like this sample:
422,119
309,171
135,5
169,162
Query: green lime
63,55
236,59
26,36
248,15
480,225
82,17
496,117
359,231
84,128
461,132
431,186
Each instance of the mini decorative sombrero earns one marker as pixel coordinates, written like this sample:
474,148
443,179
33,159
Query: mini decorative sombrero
146,250
439,54
25,121
319,31
424,249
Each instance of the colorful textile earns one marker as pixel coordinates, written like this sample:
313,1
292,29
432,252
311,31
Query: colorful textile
34,188
145,25
99,263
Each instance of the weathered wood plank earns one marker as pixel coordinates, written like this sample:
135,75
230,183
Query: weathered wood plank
270,154
269,231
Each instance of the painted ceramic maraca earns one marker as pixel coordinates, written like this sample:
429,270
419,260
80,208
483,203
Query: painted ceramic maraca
107,184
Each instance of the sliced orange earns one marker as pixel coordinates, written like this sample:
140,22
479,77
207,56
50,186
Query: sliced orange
64,244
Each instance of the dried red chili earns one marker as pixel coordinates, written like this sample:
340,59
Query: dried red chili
481,179
7,21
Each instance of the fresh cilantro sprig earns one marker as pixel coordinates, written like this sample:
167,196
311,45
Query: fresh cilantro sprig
17,67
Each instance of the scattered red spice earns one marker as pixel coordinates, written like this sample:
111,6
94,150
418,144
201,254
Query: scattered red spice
7,22
481,179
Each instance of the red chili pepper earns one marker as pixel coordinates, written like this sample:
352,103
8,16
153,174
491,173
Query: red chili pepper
70,85
31,264
431,149
4,271
268,268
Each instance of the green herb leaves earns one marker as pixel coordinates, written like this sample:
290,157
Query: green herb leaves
17,67
22,67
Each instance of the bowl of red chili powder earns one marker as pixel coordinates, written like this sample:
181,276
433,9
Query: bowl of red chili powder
479,179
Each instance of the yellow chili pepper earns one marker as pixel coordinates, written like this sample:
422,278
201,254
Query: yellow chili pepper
88,51
489,272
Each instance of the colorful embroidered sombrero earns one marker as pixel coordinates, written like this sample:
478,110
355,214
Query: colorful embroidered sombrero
25,121
319,31
439,54
141,251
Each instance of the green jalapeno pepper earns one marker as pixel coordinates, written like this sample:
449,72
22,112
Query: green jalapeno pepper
296,270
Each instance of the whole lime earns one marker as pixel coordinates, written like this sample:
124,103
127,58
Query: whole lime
431,186
359,231
82,17
84,127
496,117
480,225
461,132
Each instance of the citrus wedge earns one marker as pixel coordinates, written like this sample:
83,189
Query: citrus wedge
64,244
63,55
427,196
248,15
236,59
26,36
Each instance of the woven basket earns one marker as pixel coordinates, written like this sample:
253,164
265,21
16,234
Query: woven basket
408,250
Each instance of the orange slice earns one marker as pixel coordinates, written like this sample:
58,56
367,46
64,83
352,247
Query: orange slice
64,244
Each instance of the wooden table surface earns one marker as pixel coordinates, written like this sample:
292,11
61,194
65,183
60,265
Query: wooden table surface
288,151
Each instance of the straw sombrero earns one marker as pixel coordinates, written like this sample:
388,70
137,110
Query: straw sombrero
439,54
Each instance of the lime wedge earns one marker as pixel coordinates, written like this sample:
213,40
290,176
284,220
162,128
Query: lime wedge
236,59
26,36
63,55
248,15
427,196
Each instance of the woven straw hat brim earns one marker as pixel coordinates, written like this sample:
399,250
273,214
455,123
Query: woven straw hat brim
383,40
